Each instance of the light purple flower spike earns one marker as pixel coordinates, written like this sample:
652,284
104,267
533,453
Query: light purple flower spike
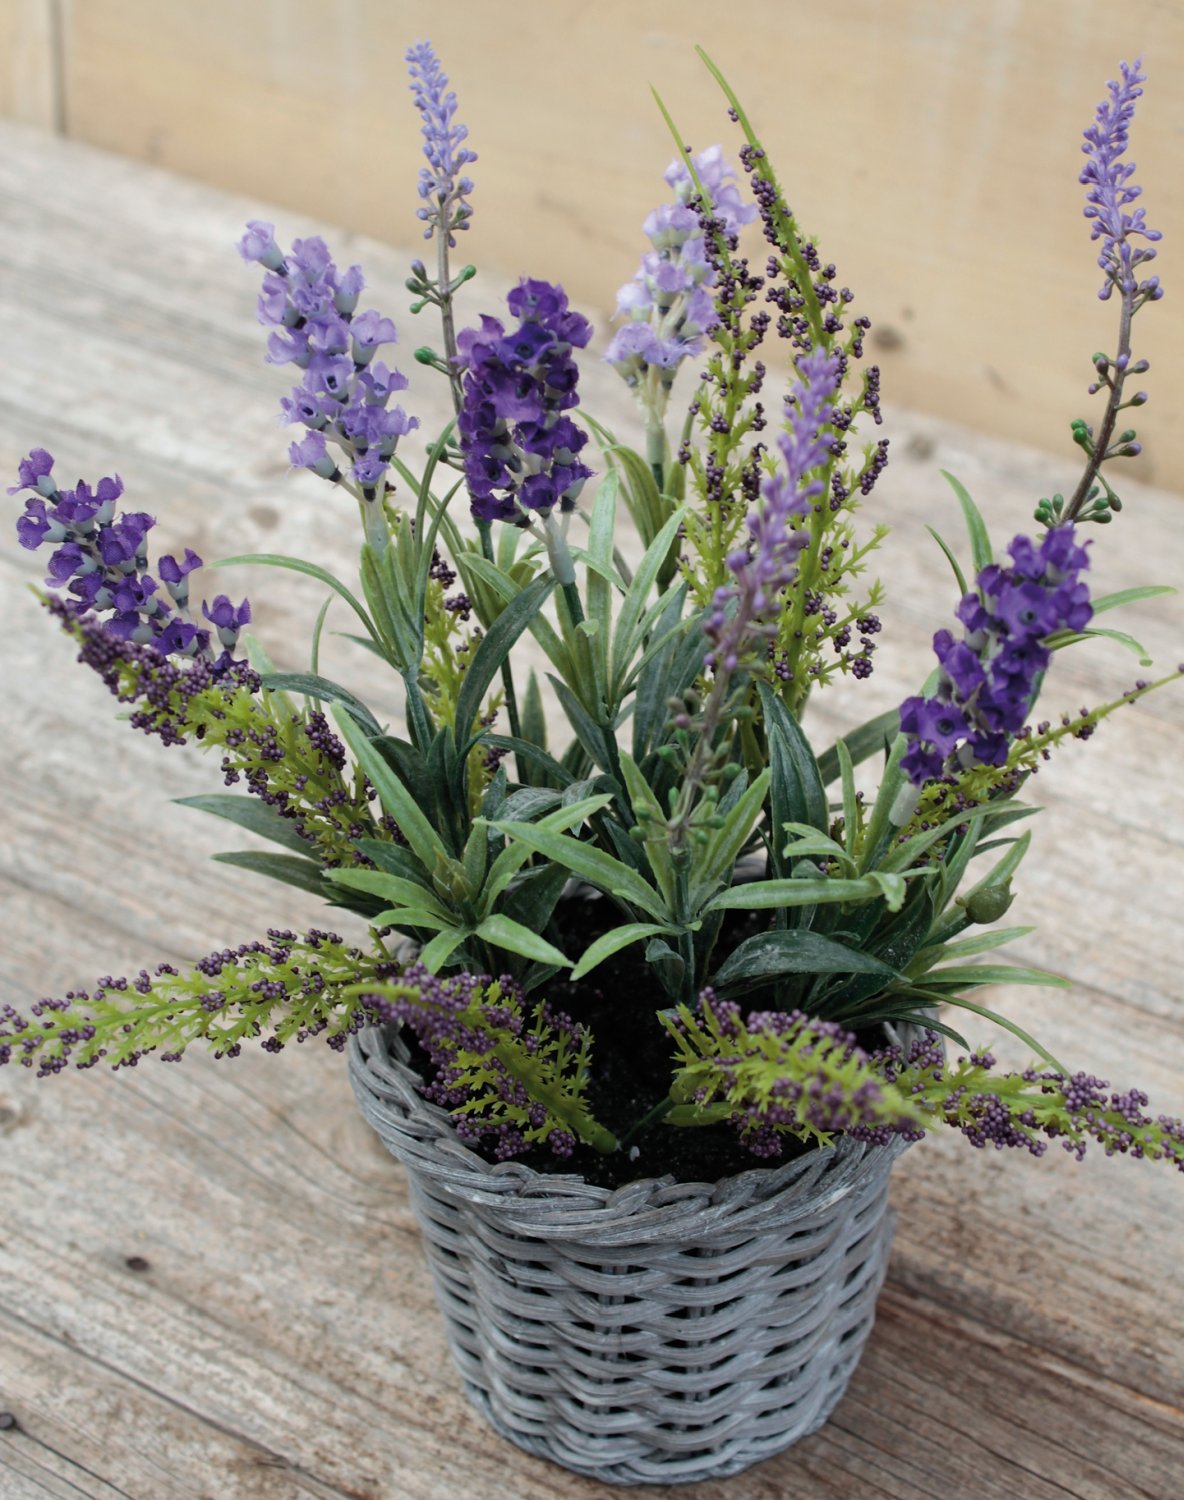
442,189
1110,190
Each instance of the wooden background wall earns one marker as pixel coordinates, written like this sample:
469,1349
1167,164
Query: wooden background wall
932,145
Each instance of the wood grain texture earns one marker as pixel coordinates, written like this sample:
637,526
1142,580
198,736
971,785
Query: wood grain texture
30,62
279,1339
932,147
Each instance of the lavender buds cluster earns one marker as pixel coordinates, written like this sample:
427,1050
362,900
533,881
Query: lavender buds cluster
990,678
101,559
344,395
521,452
741,610
669,303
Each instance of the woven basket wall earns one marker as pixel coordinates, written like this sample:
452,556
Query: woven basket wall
662,1332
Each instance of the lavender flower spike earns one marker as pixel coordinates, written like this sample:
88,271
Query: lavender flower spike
1108,179
990,678
443,191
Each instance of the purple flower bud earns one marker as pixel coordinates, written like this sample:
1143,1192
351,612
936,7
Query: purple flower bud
175,575
258,243
349,289
311,453
369,330
33,473
369,469
226,619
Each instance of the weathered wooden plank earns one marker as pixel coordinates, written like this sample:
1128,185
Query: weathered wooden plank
31,63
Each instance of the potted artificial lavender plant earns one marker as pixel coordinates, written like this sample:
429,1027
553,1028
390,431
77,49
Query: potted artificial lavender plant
649,997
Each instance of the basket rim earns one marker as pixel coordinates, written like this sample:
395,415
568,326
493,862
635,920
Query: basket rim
554,1204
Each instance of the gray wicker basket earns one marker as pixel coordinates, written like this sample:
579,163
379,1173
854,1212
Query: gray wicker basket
659,1333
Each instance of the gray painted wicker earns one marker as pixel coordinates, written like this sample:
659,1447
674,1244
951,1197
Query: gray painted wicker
659,1333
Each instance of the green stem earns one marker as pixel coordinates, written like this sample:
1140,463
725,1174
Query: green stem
1102,442
484,528
659,1112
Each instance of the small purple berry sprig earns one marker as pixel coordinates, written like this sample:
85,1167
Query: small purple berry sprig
344,395
510,1075
990,678
1026,1110
100,559
770,1074
1110,193
292,762
285,989
773,1075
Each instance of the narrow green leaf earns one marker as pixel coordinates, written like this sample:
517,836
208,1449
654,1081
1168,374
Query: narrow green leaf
325,691
633,606
959,576
588,732
762,895
532,901
511,859
1071,637
612,942
796,792
394,796
982,942
286,868
441,948
980,543
648,811
389,887
980,974
396,859
992,1015
588,863
906,854
502,932
850,802
534,718
533,754
507,590
413,917
714,862
253,815
298,565
494,649
1129,596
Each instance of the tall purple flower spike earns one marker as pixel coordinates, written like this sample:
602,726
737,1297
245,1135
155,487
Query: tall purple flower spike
1110,191
989,678
444,192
